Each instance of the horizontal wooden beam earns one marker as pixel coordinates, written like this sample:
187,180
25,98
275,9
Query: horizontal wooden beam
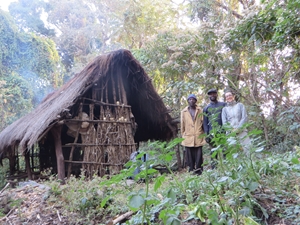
104,103
87,145
97,163
96,121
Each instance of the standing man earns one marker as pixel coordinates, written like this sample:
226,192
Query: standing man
191,129
212,121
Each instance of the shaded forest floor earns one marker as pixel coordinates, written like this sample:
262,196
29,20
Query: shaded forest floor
263,189
35,203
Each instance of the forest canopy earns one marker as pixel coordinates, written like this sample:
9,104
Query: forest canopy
185,46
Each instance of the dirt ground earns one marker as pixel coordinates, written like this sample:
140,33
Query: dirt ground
27,205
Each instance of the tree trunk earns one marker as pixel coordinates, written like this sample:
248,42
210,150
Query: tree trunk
56,132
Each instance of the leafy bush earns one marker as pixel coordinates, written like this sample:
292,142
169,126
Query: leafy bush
3,172
243,189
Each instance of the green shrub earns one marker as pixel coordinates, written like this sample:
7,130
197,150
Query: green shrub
3,172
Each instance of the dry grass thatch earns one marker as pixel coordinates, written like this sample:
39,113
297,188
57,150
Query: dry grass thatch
149,111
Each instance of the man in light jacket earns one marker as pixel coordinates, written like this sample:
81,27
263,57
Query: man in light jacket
191,130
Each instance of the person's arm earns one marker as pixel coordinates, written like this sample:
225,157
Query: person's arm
205,120
244,117
224,116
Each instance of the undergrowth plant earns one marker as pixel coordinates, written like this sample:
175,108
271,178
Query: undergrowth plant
226,195
243,189
3,172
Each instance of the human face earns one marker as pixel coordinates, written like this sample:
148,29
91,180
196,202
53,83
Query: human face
229,97
213,96
192,102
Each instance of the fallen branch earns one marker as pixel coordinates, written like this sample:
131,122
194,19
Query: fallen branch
7,215
58,215
6,186
122,217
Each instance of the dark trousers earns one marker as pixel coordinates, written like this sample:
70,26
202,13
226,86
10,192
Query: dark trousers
194,159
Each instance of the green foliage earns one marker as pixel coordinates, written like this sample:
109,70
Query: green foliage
15,99
183,62
276,24
142,19
256,54
27,52
8,32
28,70
3,171
84,197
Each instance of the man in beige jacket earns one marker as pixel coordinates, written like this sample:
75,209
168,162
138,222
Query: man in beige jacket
191,130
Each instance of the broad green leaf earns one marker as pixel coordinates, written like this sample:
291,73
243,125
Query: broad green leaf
222,179
295,160
213,216
249,221
259,149
200,213
158,182
151,171
136,201
103,202
252,186
173,221
245,211
171,194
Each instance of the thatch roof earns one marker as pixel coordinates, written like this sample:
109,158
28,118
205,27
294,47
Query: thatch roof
150,113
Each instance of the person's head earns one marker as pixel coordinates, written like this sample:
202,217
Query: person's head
229,96
213,95
192,99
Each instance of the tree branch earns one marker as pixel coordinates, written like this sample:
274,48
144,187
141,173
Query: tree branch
229,10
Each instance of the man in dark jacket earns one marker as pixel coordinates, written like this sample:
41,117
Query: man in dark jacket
212,120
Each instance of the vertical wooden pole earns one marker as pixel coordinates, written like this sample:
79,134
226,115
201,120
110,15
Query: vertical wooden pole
71,153
106,90
12,161
31,157
100,131
114,90
75,141
119,87
123,92
27,163
177,149
56,132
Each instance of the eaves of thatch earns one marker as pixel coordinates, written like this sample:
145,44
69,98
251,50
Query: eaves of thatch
150,113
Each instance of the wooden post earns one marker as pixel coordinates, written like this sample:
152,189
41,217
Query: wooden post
56,132
177,148
75,141
12,161
72,151
27,162
178,157
31,157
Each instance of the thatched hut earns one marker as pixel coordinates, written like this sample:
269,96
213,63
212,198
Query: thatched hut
93,122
